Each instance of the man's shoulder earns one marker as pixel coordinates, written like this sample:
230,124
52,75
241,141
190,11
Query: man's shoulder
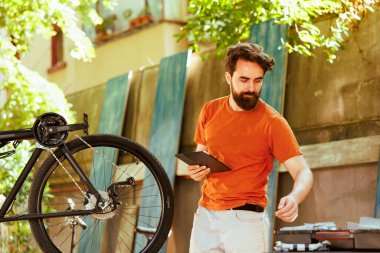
270,112
215,103
274,118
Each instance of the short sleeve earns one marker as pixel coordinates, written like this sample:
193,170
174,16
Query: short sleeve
200,136
284,144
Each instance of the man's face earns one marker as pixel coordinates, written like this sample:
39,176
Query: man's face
245,84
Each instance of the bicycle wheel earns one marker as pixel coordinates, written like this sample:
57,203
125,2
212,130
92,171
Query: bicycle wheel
137,208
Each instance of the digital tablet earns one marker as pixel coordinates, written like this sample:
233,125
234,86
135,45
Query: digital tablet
202,158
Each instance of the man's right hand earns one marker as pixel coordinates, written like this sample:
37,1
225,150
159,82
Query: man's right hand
196,172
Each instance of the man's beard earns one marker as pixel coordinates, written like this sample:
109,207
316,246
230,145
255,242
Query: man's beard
245,100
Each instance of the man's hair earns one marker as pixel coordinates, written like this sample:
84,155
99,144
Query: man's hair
247,52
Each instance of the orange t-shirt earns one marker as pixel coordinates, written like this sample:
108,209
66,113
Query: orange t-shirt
247,142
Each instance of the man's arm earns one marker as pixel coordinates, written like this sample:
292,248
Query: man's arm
303,181
196,172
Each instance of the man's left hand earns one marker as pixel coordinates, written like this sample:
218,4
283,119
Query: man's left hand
287,209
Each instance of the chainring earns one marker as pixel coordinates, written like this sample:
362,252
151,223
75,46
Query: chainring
41,133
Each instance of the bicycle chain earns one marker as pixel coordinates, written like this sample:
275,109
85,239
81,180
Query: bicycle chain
70,176
105,158
64,168
68,173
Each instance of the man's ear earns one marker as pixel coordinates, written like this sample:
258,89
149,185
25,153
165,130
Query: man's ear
228,78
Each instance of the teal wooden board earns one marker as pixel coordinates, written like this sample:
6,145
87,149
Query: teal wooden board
114,104
166,127
269,35
377,205
111,122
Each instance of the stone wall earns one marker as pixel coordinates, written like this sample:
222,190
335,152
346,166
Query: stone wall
330,102
326,102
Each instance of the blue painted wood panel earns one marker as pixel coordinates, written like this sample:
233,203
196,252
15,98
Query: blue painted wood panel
269,35
111,122
166,127
114,104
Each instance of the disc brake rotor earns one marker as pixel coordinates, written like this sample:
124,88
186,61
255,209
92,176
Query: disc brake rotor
107,212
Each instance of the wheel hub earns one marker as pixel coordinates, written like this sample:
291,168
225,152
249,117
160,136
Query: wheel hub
107,206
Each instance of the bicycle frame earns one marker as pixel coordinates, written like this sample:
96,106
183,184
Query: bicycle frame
25,134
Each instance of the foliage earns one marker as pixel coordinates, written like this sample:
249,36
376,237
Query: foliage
26,101
24,93
226,22
28,94
17,240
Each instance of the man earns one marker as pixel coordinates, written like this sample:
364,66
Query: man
246,134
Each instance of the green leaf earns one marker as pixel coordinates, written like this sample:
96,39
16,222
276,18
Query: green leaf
27,93
238,16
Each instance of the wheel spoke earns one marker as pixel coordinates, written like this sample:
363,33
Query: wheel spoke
121,213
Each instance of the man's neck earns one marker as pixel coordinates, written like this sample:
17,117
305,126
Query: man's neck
233,105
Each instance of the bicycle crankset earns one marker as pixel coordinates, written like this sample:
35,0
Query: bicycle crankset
41,133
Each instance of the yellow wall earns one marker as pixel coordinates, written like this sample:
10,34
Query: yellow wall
140,48
39,57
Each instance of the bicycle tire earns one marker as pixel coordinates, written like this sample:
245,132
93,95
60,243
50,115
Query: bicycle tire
42,199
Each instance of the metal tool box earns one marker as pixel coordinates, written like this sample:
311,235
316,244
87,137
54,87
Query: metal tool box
367,238
339,239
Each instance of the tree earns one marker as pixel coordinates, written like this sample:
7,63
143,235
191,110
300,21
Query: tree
24,93
21,21
227,22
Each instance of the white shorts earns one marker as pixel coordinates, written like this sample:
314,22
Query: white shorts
229,231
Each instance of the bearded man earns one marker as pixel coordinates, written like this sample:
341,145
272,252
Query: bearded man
246,134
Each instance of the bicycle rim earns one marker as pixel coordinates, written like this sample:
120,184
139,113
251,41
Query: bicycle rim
138,219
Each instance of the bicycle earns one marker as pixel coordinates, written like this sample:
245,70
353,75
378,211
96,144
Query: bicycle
87,185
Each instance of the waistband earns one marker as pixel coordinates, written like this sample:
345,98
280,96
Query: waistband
250,207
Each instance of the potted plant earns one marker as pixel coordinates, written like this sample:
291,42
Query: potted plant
142,18
107,26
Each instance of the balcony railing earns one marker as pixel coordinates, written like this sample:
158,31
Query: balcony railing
132,14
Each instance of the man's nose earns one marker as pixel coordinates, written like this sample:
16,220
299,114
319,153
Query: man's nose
252,87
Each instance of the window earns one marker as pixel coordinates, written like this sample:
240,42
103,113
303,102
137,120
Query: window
57,61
